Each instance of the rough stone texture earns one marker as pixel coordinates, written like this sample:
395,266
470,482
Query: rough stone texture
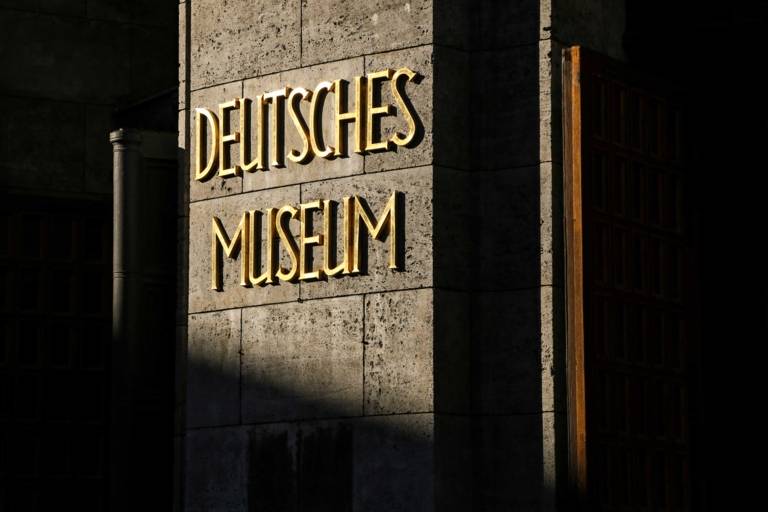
393,461
182,54
213,369
214,186
303,360
216,470
337,29
506,108
230,210
506,352
317,168
452,350
420,60
399,337
241,39
416,185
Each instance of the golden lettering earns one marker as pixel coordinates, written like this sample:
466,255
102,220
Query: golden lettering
329,228
226,138
307,241
284,232
398,92
254,265
344,116
220,240
375,111
316,120
277,99
258,163
294,109
388,219
213,124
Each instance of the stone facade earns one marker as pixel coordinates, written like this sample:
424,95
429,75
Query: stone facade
434,388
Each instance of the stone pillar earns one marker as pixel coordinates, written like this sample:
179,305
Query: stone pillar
427,388
141,391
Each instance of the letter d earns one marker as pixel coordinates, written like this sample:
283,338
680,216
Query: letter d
213,150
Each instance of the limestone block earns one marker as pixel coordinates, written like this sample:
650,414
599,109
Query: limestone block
457,207
216,470
420,94
213,368
509,460
508,376
510,230
37,133
182,270
241,39
452,351
550,101
506,108
416,186
317,168
336,29
399,339
303,360
273,458
182,196
453,108
214,186
393,463
230,210
182,54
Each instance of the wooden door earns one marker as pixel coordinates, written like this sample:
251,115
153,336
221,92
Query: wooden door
631,352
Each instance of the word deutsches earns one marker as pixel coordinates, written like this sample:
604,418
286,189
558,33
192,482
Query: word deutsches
269,230
270,129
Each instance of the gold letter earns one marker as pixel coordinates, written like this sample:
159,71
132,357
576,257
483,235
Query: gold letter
344,116
329,249
398,91
375,111
213,123
305,256
294,109
227,138
245,129
284,232
268,276
277,98
219,240
316,120
388,218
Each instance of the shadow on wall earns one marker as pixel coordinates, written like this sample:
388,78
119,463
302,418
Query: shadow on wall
284,430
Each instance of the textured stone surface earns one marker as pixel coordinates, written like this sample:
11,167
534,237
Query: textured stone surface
574,22
420,94
303,360
182,54
393,461
213,369
507,352
506,108
230,210
317,168
216,470
452,348
416,184
508,229
458,200
399,352
337,29
214,186
241,39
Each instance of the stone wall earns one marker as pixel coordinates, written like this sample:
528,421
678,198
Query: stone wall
435,388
